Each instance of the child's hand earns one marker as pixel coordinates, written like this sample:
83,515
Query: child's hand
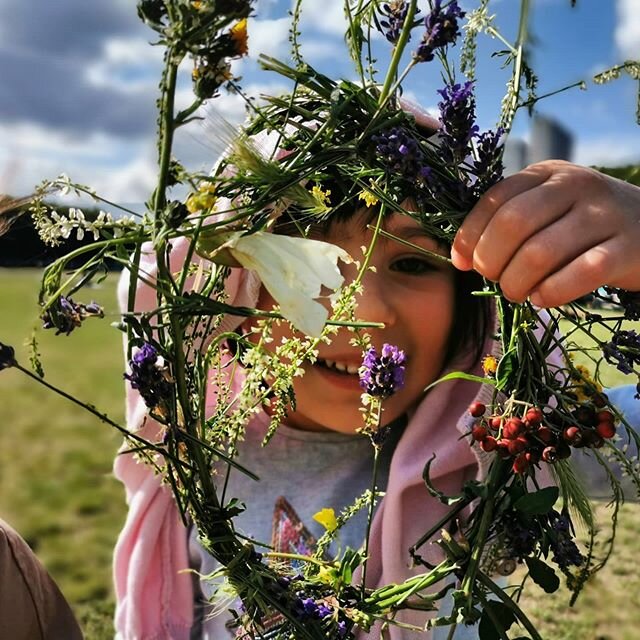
554,232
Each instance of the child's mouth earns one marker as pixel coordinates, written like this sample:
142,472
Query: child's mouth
338,367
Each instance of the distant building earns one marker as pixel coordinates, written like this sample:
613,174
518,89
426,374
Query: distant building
549,140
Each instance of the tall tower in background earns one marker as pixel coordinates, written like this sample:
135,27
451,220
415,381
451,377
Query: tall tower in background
548,140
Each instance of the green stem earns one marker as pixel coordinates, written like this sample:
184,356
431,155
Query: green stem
509,602
580,83
517,67
397,52
432,254
483,531
295,556
372,502
78,252
91,409
357,55
166,134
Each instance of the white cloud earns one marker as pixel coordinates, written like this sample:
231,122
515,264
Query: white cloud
627,32
607,151
126,64
132,182
313,50
118,170
270,37
326,16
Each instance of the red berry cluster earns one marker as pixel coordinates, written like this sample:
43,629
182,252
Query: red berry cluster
528,440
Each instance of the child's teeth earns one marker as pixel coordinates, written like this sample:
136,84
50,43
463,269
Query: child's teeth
351,369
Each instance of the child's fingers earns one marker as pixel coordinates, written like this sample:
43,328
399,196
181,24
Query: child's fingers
516,222
586,273
475,223
548,252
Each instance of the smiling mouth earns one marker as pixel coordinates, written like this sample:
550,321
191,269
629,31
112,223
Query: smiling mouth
338,367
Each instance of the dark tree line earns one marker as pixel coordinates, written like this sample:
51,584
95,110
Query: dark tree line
21,246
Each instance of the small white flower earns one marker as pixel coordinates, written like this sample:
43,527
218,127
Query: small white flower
293,270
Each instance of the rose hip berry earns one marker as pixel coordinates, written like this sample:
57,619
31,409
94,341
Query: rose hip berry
605,416
477,409
517,446
489,444
520,464
600,400
606,429
479,433
573,435
534,416
545,434
513,428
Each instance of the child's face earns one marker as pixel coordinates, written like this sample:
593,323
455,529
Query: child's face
411,294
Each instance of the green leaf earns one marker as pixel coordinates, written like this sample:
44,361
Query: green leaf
543,575
503,614
461,375
507,365
538,502
436,493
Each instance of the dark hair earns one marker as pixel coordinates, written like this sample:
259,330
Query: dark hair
471,316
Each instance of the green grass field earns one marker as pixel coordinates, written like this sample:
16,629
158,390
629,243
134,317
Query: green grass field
56,485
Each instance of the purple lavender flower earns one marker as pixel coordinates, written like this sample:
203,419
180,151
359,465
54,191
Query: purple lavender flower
520,535
7,356
395,14
324,611
630,301
66,315
441,29
381,376
565,550
488,166
401,154
623,350
148,376
457,115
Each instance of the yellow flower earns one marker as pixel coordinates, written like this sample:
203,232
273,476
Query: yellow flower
197,4
204,199
321,199
586,386
369,198
327,518
489,366
240,37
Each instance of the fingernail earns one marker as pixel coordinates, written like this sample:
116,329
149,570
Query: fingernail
536,299
459,261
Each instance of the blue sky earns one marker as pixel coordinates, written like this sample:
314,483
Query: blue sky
78,84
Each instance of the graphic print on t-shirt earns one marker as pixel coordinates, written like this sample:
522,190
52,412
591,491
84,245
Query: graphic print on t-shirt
288,535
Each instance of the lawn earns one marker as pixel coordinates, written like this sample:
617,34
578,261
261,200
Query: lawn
58,491
55,459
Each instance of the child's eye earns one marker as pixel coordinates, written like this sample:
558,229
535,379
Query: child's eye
413,265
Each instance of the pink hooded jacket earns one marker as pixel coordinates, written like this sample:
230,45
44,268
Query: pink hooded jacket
155,600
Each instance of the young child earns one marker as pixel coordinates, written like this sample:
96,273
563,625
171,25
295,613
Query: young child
552,232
